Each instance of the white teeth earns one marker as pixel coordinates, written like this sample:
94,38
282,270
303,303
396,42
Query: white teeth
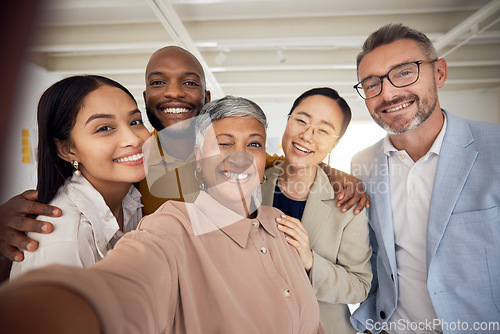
175,110
302,149
135,157
236,176
404,105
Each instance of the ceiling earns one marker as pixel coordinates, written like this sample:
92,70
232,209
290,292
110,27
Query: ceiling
266,50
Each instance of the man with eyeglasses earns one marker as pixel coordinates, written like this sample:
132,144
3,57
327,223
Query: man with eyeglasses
434,184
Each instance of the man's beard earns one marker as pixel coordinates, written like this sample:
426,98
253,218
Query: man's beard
153,119
180,130
425,107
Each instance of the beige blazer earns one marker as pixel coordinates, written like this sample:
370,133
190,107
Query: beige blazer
341,273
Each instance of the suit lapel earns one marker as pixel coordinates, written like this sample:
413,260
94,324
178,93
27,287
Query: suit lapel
380,208
317,210
454,166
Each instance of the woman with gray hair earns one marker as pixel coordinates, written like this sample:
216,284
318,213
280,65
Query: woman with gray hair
218,265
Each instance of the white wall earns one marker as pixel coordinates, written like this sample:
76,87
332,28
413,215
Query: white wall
21,176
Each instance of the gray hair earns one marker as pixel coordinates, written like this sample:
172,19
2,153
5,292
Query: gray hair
393,32
228,106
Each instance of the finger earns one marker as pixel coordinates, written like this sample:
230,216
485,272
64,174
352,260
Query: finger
297,234
362,203
30,195
10,252
26,224
18,240
290,222
338,189
349,194
35,208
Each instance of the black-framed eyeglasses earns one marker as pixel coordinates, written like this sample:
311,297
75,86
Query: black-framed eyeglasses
400,76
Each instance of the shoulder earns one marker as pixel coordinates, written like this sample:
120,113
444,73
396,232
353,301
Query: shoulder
66,226
275,171
482,132
172,217
368,154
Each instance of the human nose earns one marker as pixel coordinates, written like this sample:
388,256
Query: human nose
388,90
308,133
240,159
130,138
174,90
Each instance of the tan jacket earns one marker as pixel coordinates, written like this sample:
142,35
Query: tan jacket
341,273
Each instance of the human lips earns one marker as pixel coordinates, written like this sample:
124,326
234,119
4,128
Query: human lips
131,158
236,177
397,108
175,110
301,148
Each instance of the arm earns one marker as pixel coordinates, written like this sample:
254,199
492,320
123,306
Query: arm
349,189
347,278
129,288
33,300
14,220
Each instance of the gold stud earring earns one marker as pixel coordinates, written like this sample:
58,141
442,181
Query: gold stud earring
74,163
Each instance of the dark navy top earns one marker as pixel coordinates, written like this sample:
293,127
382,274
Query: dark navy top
289,206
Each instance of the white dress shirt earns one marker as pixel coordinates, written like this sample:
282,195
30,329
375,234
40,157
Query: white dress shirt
86,230
411,185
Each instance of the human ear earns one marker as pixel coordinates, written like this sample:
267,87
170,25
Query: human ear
197,154
65,151
441,72
208,96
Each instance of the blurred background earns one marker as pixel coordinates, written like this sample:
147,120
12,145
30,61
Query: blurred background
267,50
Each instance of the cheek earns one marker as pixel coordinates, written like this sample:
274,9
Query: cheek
285,140
260,163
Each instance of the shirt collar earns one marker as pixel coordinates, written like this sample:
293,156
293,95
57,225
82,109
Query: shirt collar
210,215
92,205
435,148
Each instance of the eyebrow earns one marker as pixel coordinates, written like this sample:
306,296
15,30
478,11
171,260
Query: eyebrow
231,136
185,74
402,63
322,121
108,116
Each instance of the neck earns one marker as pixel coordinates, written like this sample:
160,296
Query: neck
180,147
296,182
113,196
417,142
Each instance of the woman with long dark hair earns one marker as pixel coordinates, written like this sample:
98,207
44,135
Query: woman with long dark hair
89,153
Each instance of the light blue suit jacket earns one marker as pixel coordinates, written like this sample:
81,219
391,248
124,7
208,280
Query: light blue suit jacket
463,233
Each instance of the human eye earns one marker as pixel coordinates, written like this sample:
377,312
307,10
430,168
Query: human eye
156,82
300,120
103,128
324,132
257,144
225,144
403,71
137,122
370,84
192,83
